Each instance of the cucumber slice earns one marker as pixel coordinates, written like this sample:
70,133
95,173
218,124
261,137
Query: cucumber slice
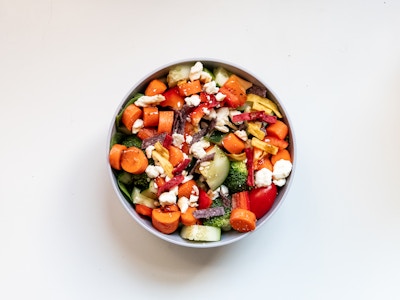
139,198
218,169
221,76
201,233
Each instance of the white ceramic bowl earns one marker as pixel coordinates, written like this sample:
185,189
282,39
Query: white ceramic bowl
227,237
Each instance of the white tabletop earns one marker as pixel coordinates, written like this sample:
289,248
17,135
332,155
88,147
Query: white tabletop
66,65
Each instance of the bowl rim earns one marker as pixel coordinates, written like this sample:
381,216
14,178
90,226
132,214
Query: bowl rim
175,238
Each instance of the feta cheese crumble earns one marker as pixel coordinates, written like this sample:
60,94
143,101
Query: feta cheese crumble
137,125
263,177
222,117
195,71
167,198
281,171
241,134
146,101
149,150
193,100
178,140
197,149
210,87
154,171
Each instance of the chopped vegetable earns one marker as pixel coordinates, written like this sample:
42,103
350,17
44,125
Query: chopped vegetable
233,144
264,102
165,221
155,87
281,154
187,217
243,220
115,156
278,129
201,233
133,160
130,115
236,181
222,221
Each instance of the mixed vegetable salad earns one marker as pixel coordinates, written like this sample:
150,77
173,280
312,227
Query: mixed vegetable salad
201,152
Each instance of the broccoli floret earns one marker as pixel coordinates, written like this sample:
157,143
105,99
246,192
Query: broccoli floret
237,177
141,181
219,221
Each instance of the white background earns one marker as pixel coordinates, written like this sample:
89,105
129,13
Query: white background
66,65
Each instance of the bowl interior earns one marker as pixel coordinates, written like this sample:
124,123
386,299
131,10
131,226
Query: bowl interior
227,237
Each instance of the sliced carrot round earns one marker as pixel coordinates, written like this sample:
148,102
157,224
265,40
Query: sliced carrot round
243,220
165,222
133,160
115,156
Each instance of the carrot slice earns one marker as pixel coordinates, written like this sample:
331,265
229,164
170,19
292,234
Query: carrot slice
189,88
171,207
187,217
175,155
186,188
264,162
243,220
143,210
130,115
278,130
165,222
165,121
155,87
282,144
115,156
133,160
150,116
233,144
282,154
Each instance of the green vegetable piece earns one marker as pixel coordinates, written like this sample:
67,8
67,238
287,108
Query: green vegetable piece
125,177
216,137
139,198
221,75
218,169
178,73
141,181
116,138
209,73
223,221
237,177
201,233
132,141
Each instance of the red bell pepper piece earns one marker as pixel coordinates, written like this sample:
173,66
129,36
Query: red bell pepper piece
205,200
254,116
167,141
182,166
250,166
241,200
177,180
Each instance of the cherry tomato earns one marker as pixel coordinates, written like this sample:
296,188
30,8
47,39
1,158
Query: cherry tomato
262,199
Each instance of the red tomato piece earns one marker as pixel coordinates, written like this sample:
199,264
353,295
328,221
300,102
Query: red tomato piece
262,199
